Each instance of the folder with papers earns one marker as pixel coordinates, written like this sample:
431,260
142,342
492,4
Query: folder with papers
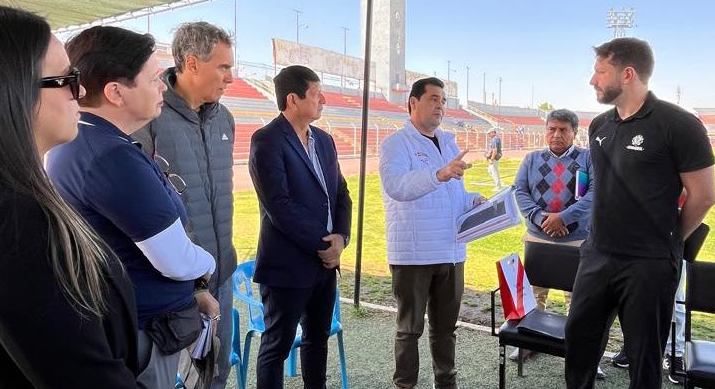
203,343
496,214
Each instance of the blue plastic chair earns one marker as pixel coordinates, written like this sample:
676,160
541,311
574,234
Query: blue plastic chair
179,382
243,280
236,359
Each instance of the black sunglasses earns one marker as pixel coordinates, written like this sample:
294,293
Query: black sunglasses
71,79
174,179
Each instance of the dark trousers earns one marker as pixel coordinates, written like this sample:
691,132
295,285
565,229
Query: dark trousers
284,309
438,290
641,292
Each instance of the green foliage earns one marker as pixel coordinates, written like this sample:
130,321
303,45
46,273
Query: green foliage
546,106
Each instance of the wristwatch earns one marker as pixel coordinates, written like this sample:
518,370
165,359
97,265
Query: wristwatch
346,238
200,284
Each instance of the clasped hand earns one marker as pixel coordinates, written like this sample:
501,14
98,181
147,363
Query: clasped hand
331,255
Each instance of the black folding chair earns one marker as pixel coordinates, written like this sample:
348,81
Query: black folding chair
550,266
700,297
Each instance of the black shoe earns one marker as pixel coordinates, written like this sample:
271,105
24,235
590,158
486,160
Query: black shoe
679,367
620,360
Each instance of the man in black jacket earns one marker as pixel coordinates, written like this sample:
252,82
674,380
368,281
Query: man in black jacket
305,223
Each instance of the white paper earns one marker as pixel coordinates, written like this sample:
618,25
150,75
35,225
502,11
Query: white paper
496,214
203,343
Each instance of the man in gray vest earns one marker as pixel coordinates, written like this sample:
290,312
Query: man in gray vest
195,135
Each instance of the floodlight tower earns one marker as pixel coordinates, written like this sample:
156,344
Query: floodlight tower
388,47
619,21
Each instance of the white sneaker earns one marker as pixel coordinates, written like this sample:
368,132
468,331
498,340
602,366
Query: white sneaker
600,374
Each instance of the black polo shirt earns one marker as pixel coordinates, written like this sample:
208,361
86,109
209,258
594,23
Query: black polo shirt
637,162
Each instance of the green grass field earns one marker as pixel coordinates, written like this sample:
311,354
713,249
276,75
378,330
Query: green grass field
480,269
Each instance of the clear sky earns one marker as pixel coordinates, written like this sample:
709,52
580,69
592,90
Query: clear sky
541,43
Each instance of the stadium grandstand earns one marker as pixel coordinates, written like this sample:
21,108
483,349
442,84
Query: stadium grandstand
252,103
251,100
707,116
512,118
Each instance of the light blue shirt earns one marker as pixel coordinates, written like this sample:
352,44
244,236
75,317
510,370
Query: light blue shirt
313,156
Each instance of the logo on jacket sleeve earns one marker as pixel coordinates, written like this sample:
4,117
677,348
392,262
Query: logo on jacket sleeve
636,143
224,137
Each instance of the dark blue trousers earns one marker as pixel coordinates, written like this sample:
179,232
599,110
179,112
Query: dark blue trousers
284,309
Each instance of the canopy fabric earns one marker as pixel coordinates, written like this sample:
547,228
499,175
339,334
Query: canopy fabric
65,13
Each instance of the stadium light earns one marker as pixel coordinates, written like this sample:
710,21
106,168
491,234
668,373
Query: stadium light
298,25
345,54
450,92
619,21
467,66
499,102
484,87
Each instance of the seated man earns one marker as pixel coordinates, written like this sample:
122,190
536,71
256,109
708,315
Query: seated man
546,194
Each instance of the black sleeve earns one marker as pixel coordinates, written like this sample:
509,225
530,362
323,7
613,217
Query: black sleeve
49,342
691,149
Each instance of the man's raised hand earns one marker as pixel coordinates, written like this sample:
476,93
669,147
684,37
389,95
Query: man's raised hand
454,169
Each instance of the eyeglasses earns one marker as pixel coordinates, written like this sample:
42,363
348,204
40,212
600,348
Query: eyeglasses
174,179
71,79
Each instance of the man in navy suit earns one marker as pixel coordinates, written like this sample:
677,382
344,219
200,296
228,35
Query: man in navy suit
305,225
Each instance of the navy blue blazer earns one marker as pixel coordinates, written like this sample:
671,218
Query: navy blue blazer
293,205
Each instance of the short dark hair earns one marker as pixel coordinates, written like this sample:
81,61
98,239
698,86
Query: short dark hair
293,79
633,52
419,88
105,54
563,115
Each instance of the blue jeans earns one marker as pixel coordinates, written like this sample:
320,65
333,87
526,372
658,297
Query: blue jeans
224,333
679,317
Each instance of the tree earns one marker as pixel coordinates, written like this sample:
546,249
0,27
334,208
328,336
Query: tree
545,106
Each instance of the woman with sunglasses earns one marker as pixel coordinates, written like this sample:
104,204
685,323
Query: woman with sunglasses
129,201
67,309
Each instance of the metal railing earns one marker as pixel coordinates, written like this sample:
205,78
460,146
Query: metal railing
347,139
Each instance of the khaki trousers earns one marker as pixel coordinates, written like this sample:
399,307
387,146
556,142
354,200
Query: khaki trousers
436,289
